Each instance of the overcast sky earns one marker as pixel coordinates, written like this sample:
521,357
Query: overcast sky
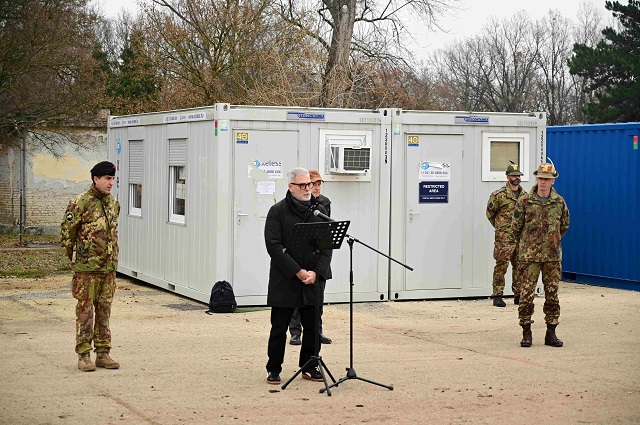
467,22
475,14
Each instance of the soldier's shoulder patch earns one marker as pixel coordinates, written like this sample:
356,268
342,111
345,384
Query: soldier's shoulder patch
69,216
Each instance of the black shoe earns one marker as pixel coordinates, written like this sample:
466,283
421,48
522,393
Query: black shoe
313,374
295,340
325,340
516,299
498,301
273,378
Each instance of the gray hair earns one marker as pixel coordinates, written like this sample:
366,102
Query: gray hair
295,172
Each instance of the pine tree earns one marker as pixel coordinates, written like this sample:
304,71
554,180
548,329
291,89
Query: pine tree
613,67
134,86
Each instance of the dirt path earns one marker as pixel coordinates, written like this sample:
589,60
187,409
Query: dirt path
450,362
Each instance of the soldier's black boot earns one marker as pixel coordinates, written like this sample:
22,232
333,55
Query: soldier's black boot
527,338
516,299
498,301
550,338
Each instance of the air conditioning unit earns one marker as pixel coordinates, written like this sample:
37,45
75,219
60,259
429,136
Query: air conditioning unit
350,159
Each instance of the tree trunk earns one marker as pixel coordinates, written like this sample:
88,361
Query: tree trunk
336,80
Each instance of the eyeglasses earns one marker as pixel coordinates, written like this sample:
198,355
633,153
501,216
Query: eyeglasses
317,183
303,186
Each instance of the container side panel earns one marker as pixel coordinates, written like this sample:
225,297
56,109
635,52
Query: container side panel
600,181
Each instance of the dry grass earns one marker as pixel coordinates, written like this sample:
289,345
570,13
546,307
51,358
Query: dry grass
38,256
9,240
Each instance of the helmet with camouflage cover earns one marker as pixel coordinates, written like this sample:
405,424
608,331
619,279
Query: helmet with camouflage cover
546,171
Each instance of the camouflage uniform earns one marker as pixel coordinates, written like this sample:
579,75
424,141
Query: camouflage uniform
500,208
89,230
538,226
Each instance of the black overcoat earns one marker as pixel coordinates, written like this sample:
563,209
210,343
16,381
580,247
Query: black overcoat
285,289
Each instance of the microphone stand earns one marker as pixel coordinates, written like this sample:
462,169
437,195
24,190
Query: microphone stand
318,236
351,372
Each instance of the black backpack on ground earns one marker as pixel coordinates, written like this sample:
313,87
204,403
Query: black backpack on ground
222,298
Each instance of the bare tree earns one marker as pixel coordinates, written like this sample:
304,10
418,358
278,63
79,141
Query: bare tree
358,36
217,51
48,72
509,63
494,71
557,86
458,72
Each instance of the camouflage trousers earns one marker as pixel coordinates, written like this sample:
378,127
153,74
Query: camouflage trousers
504,253
551,273
94,293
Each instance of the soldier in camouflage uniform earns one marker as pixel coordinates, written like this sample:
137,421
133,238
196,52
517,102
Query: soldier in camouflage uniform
89,234
500,208
539,223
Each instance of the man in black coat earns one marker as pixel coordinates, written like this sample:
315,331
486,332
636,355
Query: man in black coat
295,327
294,274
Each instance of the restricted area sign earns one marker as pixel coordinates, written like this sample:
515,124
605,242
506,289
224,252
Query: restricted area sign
433,192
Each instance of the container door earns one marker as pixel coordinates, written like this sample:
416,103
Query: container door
434,211
261,161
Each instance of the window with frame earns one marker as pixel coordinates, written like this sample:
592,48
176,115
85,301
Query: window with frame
498,149
136,177
177,180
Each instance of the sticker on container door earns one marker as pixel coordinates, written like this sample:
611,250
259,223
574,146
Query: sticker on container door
266,188
242,138
432,170
413,140
273,169
433,193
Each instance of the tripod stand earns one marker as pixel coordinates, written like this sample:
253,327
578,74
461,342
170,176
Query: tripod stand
320,236
351,372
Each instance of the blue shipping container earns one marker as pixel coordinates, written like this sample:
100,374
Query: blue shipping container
599,168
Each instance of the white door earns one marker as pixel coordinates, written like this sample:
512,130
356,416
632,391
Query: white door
261,161
434,211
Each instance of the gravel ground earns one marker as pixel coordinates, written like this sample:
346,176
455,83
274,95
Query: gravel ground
449,362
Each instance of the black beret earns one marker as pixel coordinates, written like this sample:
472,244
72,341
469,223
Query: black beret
104,168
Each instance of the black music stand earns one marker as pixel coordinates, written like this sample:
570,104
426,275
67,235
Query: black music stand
351,372
319,237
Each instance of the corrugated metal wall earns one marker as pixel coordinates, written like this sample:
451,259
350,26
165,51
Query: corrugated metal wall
599,168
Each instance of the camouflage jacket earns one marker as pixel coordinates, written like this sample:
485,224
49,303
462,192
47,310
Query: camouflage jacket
89,228
539,226
500,208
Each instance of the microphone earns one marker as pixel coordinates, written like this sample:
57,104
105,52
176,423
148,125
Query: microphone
322,216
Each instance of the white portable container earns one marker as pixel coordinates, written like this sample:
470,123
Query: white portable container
195,187
445,165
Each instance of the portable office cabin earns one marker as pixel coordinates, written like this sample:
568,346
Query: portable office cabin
444,167
599,166
195,187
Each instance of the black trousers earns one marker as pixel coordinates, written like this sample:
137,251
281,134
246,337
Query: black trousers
295,326
280,318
